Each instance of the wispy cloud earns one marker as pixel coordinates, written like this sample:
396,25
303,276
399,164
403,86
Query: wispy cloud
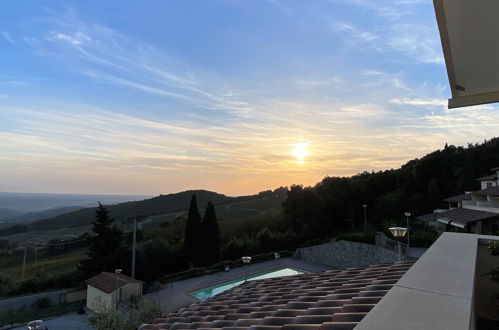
351,31
420,102
152,120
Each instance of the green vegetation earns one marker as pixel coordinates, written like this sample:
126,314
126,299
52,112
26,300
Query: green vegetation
252,225
192,242
335,204
210,237
54,265
124,211
111,319
105,252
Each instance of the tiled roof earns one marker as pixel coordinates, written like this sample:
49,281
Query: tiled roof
334,299
488,178
464,216
107,281
458,198
427,217
492,191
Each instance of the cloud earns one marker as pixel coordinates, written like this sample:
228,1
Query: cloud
420,102
7,37
76,38
182,126
349,30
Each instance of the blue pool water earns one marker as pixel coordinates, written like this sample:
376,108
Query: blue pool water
211,291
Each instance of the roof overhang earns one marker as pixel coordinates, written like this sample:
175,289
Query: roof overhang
450,222
470,42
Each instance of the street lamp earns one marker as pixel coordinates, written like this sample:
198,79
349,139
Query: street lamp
398,232
117,272
407,215
365,217
246,261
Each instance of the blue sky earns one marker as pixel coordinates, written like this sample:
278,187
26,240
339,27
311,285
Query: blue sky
160,96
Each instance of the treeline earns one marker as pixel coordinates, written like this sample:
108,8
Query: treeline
335,204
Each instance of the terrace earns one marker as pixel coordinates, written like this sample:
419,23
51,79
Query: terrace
445,289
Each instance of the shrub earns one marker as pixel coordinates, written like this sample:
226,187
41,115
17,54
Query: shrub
361,237
111,319
315,241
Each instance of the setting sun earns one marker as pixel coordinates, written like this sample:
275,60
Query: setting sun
301,151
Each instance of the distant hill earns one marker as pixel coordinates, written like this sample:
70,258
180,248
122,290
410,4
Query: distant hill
7,213
35,202
33,216
126,211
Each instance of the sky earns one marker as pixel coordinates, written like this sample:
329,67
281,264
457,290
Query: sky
235,96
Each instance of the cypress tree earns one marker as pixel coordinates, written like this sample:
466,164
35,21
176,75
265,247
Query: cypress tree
106,248
192,246
210,236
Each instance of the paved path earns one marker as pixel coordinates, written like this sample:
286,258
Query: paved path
66,322
176,295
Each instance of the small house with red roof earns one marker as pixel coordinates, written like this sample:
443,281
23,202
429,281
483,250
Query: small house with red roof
106,290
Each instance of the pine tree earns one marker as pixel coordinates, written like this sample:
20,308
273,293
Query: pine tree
192,246
106,247
210,236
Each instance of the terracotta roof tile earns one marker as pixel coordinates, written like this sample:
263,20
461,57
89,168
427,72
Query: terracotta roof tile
465,216
320,301
458,198
492,191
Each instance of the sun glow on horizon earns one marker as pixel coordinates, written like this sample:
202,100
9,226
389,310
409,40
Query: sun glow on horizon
300,152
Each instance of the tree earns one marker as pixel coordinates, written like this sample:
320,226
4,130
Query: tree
106,248
210,236
192,246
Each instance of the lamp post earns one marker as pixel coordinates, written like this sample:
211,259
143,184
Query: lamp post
398,232
117,272
365,216
246,261
407,215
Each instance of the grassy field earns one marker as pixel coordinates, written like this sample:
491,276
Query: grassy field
54,265
238,211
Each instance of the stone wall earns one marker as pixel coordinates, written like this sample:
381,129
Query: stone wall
344,254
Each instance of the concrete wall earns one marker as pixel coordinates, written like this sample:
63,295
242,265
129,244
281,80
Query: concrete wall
95,297
55,297
438,292
76,295
344,254
131,289
486,289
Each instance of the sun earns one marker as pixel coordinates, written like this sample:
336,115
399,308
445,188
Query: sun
301,151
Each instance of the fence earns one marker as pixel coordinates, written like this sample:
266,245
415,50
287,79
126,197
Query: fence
383,241
55,298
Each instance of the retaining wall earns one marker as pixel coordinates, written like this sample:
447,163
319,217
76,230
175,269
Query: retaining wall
344,254
55,297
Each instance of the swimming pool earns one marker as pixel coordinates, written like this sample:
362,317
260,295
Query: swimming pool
211,291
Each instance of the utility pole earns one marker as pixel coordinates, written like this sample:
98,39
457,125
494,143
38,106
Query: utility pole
365,216
134,241
407,215
24,263
36,252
